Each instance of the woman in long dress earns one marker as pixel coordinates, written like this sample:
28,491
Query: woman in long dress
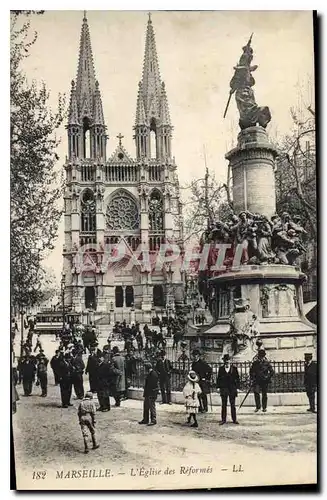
191,393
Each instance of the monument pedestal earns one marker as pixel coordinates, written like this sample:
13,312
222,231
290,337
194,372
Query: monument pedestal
252,165
273,291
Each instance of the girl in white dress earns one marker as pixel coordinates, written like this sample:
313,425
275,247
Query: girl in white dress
191,392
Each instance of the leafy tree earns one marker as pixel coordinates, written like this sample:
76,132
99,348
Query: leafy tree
36,185
296,170
207,202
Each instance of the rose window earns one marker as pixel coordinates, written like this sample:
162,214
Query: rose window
122,213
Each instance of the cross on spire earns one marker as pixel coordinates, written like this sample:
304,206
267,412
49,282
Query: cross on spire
120,137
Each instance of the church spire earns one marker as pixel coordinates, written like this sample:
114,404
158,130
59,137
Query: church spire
151,75
86,126
152,111
86,84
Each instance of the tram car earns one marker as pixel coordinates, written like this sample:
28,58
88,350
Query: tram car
51,322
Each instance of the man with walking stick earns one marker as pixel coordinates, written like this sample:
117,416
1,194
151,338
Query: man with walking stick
228,382
204,372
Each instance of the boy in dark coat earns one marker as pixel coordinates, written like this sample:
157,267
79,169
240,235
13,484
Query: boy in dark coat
150,395
228,382
261,373
310,380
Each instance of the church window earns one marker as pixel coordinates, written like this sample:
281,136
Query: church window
88,212
119,296
86,137
129,296
122,213
158,296
156,213
153,138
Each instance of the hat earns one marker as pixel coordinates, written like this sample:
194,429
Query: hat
183,344
192,376
226,357
196,352
147,364
308,355
88,395
162,353
115,349
261,350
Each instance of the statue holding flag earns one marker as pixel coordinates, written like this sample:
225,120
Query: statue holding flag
241,84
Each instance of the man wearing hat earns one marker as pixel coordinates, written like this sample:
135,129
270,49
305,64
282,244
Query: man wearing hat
91,369
118,362
150,395
65,372
310,380
42,375
204,372
163,368
261,372
228,382
86,416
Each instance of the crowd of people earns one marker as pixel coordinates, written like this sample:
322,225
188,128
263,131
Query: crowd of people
110,373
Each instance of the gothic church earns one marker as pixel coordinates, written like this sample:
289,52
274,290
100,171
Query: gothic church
120,199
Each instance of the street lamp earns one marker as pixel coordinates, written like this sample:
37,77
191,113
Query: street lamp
63,283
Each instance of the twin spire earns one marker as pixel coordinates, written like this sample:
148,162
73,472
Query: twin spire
85,99
151,99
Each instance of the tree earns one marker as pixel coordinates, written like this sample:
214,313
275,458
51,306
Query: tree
36,185
208,202
296,170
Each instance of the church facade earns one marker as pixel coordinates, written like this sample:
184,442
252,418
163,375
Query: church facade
120,202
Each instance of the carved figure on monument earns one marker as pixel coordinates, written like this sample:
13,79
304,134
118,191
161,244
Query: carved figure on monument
241,84
288,247
244,328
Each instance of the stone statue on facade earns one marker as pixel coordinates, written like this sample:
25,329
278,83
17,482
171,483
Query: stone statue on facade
241,84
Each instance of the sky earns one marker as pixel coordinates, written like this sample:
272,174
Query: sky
196,51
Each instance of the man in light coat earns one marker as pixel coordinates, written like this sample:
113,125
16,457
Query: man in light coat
118,362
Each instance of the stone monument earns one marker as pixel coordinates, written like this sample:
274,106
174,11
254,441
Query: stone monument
261,296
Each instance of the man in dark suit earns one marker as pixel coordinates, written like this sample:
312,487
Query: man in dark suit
310,380
27,369
150,395
163,368
91,369
261,373
228,381
65,372
204,372
77,375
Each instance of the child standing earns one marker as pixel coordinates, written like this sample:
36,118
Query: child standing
191,392
86,416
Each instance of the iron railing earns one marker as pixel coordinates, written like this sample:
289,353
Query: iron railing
288,377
